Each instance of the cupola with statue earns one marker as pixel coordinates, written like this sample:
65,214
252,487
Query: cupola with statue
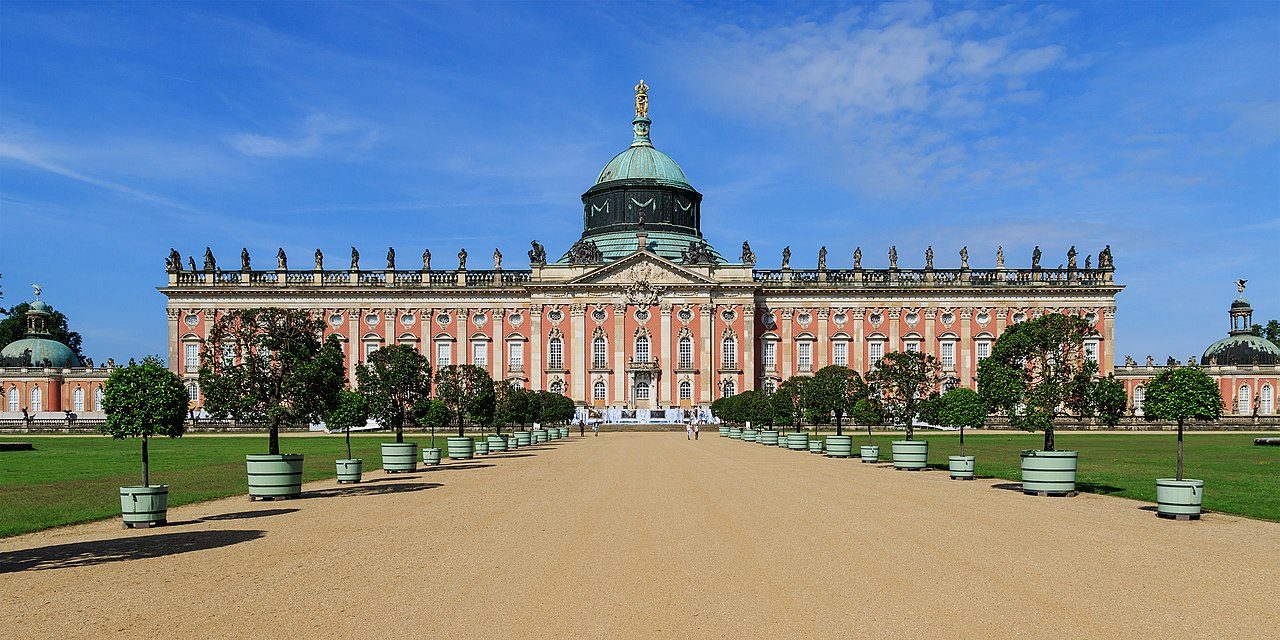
1243,345
37,347
641,191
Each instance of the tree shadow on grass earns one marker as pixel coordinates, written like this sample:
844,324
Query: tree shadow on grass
83,554
244,515
369,489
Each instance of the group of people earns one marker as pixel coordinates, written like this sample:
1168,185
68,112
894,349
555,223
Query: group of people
692,428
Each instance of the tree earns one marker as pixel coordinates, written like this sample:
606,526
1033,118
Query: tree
1271,331
867,410
514,404
432,413
1038,370
759,408
930,409
144,400
351,411
900,381
1107,400
467,390
1181,394
830,393
961,407
394,379
269,365
14,326
788,401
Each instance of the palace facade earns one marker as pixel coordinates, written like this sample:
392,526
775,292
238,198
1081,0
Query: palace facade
641,312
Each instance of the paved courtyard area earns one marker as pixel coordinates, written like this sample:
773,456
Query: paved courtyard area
649,535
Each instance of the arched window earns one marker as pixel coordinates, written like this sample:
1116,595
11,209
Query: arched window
97,399
598,390
37,399
1266,400
642,391
686,390
686,352
642,348
1139,396
1242,400
557,387
13,399
599,353
77,399
193,392
769,386
555,353
729,388
729,353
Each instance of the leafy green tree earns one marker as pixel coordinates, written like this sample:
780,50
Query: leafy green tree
788,401
394,379
351,411
930,409
432,413
269,366
1038,370
14,326
144,400
467,390
1181,394
900,381
827,394
759,408
961,407
867,411
1271,331
1107,400
512,404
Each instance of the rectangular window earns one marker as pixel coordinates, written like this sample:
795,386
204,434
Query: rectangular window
642,350
599,353
77,400
444,354
193,392
983,349
840,353
770,356
686,353
480,354
804,356
555,354
912,346
13,398
948,355
97,399
686,391
875,351
1091,351
228,354
369,348
729,355
191,357
515,356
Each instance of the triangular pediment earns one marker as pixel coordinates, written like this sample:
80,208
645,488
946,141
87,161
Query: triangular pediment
642,267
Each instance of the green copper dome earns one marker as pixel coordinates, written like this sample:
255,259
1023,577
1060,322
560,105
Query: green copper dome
1241,348
641,160
42,349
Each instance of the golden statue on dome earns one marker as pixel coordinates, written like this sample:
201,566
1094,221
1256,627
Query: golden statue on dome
642,100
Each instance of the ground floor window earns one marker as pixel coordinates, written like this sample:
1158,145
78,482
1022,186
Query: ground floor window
13,399
598,390
1139,396
77,399
97,399
1242,400
37,400
686,390
1266,400
840,353
642,391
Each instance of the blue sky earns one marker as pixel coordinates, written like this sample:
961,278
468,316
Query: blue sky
129,128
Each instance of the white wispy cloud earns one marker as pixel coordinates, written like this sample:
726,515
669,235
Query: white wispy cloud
317,133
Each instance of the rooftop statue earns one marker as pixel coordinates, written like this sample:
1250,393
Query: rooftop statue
1071,257
173,263
426,259
1151,361
1128,361
642,100
748,256
1104,258
585,252
893,257
1035,257
191,262
209,263
1088,261
822,259
964,257
1000,257
282,261
462,260
244,259
698,252
857,258
391,258
538,254
319,259
786,257
355,259
928,257
497,260
1240,285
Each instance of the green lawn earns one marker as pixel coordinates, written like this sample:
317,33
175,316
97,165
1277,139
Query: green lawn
72,479
1239,477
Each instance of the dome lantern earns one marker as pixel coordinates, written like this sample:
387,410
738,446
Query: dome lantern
1242,346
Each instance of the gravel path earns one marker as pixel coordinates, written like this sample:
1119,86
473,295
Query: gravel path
648,535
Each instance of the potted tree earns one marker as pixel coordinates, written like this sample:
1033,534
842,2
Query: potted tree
836,386
901,380
144,400
270,366
351,411
433,414
1181,394
789,402
467,390
759,410
961,407
512,404
866,410
393,380
1036,372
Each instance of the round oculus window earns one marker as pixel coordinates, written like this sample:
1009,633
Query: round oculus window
191,320
335,320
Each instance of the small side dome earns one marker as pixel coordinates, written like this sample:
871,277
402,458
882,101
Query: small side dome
1241,349
42,350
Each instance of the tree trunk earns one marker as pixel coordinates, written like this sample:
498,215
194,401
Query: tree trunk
1179,448
348,443
869,441
273,438
838,431
1048,438
461,434
961,439
433,436
146,463
399,431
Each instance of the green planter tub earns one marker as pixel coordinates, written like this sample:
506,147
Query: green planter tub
399,457
839,446
1049,472
798,441
144,506
523,438
272,477
482,447
735,433
349,470
870,452
553,433
961,467
724,431
497,443
815,446
431,456
463,448
749,435
910,454
540,436
768,438
1179,499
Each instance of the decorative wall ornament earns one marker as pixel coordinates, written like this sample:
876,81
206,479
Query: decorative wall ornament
585,252
599,314
804,318
729,315
642,315
684,315
443,319
555,315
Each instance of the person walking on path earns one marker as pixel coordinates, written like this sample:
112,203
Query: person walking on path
595,429
688,430
696,430
582,428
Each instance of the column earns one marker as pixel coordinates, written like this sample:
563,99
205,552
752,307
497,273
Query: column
859,347
581,344
353,343
748,342
787,347
461,352
175,349
666,374
705,310
930,345
1106,361
536,380
498,349
894,342
620,390
824,346
967,366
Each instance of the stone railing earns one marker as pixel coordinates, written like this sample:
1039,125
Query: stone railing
912,278
370,278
